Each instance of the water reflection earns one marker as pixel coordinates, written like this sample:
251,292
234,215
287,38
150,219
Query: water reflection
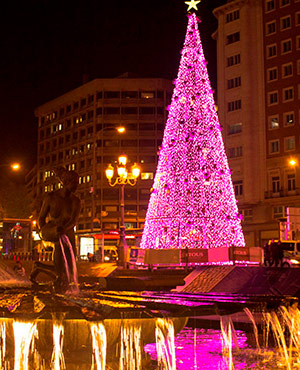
136,344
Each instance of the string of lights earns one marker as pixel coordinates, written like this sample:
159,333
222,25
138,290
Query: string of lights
192,202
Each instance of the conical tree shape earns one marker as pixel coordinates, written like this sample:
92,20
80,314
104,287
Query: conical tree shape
192,203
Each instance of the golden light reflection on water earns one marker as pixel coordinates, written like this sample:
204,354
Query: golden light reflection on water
99,342
165,344
57,360
23,337
130,349
3,343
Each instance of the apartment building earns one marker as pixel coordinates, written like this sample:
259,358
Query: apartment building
77,130
258,48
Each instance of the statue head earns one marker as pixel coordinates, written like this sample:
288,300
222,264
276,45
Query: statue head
69,179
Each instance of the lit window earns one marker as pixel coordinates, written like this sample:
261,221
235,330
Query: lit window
288,118
147,176
147,94
273,122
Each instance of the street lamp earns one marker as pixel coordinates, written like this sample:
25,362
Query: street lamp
120,130
122,179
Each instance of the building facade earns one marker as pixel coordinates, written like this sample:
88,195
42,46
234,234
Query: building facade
77,130
258,48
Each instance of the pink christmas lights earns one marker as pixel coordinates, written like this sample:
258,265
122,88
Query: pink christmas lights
192,203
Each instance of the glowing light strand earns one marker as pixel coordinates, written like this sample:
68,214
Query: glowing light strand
192,202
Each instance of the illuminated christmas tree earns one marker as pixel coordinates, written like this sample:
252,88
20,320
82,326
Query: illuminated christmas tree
192,201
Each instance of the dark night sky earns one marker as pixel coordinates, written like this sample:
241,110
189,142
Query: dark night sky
47,46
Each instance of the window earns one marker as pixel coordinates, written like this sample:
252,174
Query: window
273,122
275,183
111,110
247,213
286,46
233,60
288,94
146,142
272,74
297,42
274,146
61,112
129,110
148,159
233,37
147,110
279,212
270,5
129,94
230,17
287,70
147,94
288,118
238,187
111,94
235,128
75,105
291,182
99,111
83,102
147,126
111,194
90,99
285,23
99,95
129,143
234,82
273,97
234,105
90,115
144,194
297,18
235,152
271,28
289,143
68,109
285,2
147,176
298,67
271,51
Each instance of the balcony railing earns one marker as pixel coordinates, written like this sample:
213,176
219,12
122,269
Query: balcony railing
282,193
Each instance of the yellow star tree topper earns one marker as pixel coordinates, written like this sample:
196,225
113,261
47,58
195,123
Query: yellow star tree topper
192,4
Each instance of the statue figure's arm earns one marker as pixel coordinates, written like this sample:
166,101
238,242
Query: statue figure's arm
44,212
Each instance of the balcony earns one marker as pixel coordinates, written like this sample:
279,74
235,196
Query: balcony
282,193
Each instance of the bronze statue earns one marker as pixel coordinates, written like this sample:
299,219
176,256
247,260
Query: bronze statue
58,216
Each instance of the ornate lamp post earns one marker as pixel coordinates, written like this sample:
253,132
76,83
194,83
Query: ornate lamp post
119,130
122,179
